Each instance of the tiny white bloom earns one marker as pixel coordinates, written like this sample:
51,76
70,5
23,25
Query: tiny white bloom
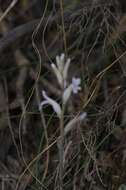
76,85
56,107
73,87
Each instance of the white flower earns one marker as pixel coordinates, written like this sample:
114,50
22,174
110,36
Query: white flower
61,69
56,107
76,85
73,87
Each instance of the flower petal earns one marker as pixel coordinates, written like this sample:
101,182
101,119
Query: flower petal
76,81
42,104
58,74
60,62
75,85
67,94
56,107
62,57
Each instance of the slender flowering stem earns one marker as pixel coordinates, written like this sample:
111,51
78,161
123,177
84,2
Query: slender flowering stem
60,70
61,144
61,148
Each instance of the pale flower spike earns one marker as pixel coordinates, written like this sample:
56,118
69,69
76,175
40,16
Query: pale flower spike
56,107
61,69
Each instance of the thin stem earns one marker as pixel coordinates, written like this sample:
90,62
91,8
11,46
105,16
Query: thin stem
61,148
61,151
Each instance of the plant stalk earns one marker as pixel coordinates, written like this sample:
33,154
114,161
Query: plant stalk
61,149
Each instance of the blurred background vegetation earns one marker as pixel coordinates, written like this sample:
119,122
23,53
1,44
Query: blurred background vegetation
92,34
